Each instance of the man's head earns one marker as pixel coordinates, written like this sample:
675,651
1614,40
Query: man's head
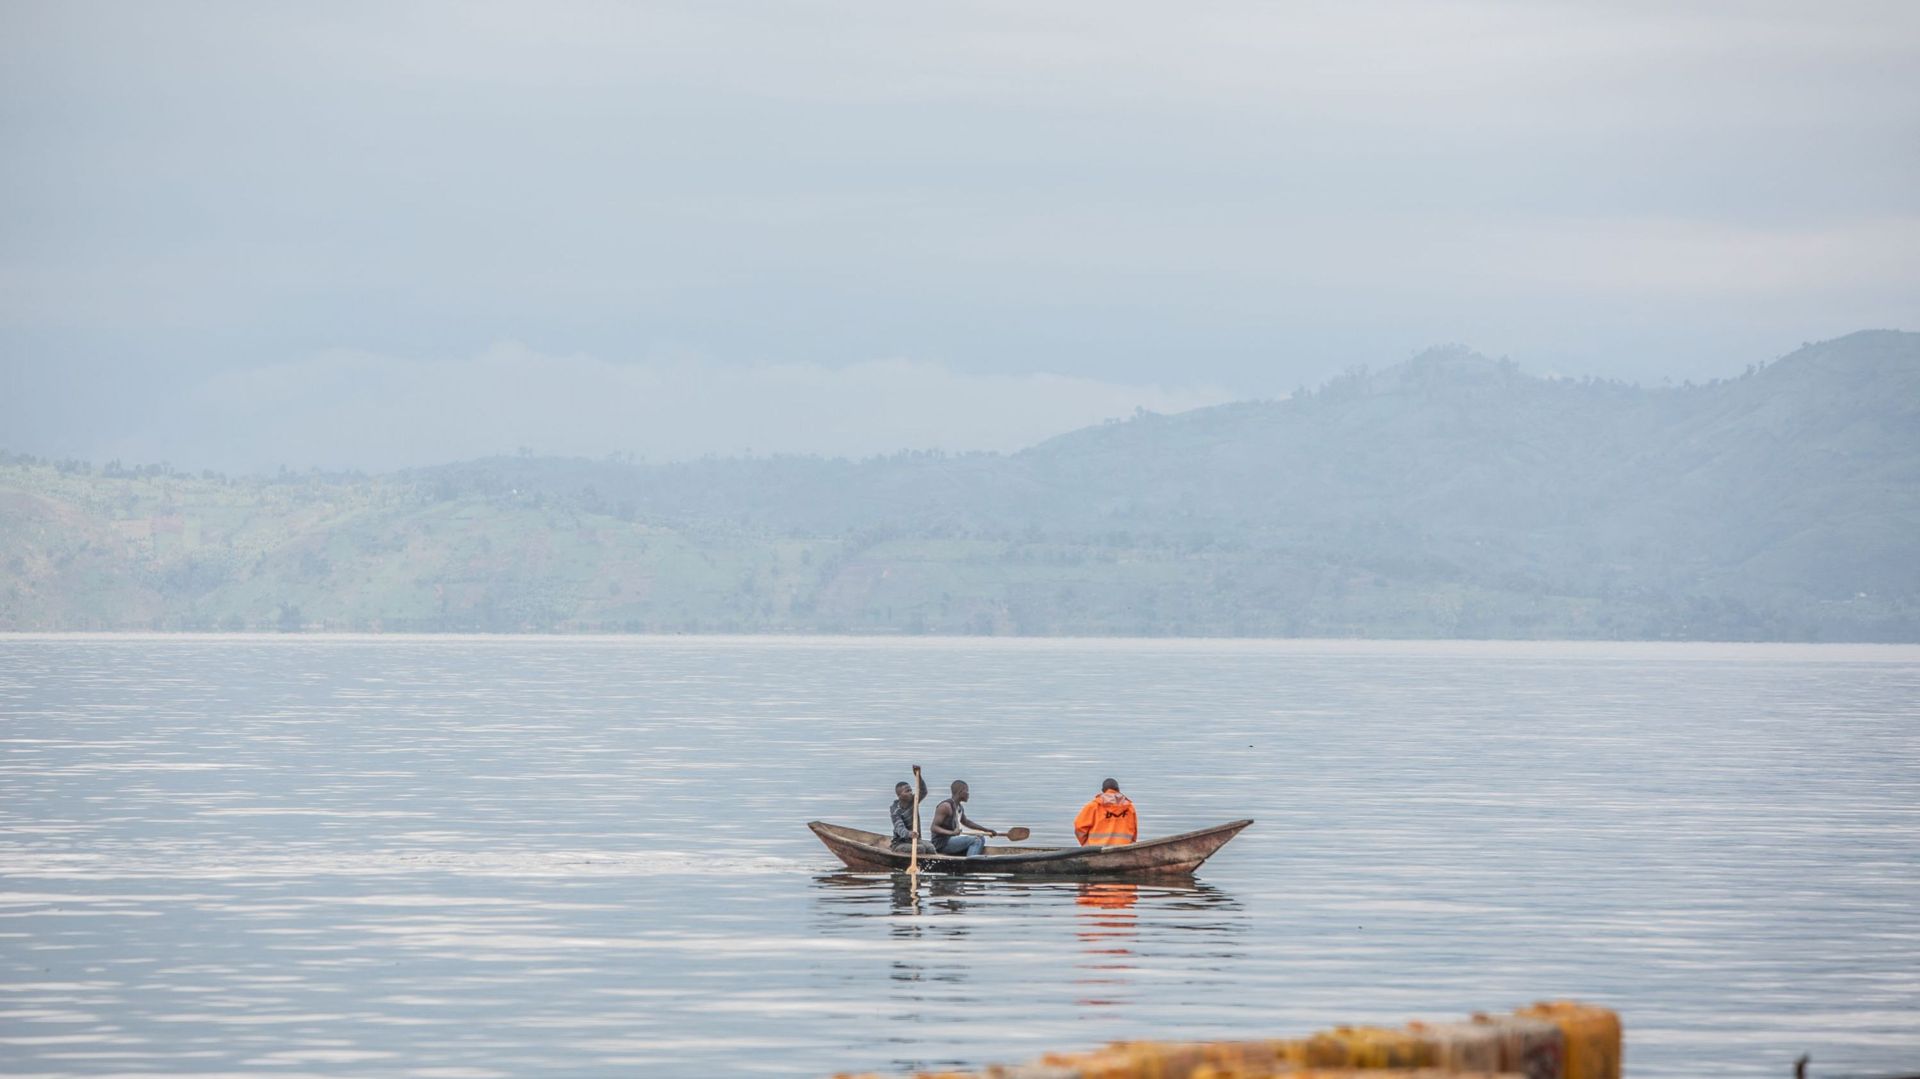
903,791
959,790
1109,785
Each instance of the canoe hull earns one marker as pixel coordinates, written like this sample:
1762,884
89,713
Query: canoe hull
1172,856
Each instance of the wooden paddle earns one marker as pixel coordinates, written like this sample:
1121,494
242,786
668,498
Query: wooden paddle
913,860
1012,835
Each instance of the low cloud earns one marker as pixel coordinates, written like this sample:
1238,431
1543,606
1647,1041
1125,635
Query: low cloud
1130,196
362,410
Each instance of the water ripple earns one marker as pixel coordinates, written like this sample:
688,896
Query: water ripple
466,858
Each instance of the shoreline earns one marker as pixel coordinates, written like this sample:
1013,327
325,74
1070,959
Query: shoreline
1465,648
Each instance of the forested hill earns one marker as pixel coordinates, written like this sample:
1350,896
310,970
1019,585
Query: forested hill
1447,496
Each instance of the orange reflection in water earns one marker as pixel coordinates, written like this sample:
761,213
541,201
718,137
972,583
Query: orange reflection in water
1107,928
1108,896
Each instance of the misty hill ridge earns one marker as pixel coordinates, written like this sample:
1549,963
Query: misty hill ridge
1451,495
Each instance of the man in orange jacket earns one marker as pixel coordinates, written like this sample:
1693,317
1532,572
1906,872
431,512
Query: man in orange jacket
1108,820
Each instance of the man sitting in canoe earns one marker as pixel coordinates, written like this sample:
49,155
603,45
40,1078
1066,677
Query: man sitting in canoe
1108,820
949,817
906,821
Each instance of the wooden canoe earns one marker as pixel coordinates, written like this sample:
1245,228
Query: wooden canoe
1174,855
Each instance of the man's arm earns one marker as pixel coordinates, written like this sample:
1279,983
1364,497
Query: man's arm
922,780
968,821
1083,824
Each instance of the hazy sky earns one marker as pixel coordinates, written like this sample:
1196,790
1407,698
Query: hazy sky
373,234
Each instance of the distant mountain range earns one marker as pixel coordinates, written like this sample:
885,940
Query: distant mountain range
1449,496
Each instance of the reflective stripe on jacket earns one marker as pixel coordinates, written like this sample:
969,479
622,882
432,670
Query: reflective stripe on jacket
1107,821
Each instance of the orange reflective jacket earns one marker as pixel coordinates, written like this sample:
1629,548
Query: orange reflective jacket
1107,821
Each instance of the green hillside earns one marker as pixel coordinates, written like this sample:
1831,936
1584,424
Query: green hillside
1448,496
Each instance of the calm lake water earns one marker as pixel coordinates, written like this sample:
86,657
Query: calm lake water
465,857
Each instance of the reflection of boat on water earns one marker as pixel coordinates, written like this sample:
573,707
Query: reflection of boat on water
852,894
1174,855
1087,934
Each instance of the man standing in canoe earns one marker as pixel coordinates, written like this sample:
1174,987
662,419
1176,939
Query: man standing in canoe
1108,820
906,820
949,817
